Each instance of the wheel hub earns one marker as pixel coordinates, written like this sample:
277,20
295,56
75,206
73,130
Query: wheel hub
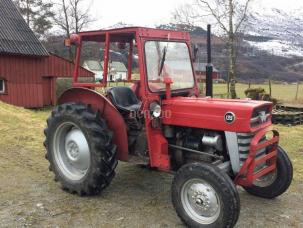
204,200
266,180
201,201
72,153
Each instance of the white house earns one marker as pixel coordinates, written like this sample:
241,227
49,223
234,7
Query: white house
95,67
116,70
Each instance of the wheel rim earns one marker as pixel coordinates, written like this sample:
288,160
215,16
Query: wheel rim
266,180
71,150
200,201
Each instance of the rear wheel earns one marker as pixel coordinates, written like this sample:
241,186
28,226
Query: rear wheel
203,196
80,149
274,183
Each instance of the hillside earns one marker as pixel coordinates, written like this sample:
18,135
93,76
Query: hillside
263,55
253,63
282,28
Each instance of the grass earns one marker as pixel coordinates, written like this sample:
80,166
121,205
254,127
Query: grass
22,128
285,93
281,92
291,141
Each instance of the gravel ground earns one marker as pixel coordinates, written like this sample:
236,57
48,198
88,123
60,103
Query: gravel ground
137,197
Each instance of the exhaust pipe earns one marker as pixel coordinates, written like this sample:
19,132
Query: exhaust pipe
209,66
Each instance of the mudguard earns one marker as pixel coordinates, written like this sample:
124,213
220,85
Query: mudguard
106,110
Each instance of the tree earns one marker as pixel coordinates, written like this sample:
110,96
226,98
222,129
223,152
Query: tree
72,17
38,15
229,16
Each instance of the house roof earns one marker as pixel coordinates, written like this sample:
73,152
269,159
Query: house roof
93,65
118,66
202,67
16,38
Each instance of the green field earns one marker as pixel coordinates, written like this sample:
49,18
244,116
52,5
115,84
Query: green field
285,93
282,92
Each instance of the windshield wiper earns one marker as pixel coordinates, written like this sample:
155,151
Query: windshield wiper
162,60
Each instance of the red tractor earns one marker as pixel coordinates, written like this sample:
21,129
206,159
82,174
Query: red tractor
211,145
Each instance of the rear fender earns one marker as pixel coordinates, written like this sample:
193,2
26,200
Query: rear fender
106,110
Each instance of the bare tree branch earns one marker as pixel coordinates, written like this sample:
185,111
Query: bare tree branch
214,14
244,16
71,17
230,16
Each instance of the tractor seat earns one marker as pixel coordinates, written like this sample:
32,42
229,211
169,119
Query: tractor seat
124,99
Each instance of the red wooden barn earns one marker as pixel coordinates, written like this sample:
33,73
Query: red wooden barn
27,71
200,69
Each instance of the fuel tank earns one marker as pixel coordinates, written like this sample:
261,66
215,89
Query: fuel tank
217,114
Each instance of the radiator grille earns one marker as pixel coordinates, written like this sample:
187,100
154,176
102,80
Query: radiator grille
244,141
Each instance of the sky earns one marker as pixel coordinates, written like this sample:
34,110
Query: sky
153,12
136,12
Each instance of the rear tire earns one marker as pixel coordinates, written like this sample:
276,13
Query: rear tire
204,196
80,149
283,179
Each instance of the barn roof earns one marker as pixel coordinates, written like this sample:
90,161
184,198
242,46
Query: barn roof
16,37
198,66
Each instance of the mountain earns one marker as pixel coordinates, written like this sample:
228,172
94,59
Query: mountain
271,49
276,31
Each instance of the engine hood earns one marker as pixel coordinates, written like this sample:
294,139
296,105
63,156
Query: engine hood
214,114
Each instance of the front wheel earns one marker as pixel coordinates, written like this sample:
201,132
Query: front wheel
274,183
204,196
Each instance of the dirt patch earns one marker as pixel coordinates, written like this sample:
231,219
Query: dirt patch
137,197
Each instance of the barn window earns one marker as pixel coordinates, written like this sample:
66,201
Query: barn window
2,86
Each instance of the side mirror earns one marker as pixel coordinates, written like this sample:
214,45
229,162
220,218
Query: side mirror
67,42
74,39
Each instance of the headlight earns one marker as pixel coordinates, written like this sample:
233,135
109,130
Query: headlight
155,109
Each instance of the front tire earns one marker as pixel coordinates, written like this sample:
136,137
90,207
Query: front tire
80,149
269,189
204,196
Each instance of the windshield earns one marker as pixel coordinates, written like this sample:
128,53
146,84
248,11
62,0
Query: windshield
171,59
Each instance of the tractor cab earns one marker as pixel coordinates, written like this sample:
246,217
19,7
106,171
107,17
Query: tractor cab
148,111
150,55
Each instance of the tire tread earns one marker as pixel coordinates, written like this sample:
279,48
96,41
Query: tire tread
103,159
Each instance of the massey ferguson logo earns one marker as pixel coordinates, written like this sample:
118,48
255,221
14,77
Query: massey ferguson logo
262,116
229,117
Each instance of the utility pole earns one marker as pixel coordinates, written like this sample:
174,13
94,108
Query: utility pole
297,92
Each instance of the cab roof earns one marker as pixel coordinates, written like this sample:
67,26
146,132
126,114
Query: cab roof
129,33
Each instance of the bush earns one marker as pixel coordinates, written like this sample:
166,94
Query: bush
64,84
259,94
254,93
